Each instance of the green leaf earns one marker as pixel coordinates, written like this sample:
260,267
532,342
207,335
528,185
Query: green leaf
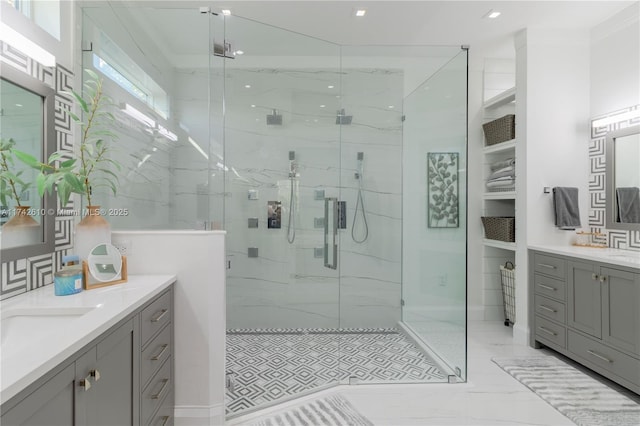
63,192
75,117
67,163
28,159
92,74
55,156
40,184
82,102
109,172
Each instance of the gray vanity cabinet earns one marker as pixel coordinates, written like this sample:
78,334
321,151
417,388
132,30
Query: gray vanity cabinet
101,384
621,309
105,381
602,305
49,405
585,305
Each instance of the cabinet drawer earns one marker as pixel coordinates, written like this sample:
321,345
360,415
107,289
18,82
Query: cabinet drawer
550,287
549,265
550,308
155,354
605,357
164,415
154,317
155,392
550,332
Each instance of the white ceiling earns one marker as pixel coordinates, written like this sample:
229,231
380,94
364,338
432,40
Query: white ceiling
424,22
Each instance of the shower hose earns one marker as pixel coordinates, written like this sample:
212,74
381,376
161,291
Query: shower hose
360,207
291,226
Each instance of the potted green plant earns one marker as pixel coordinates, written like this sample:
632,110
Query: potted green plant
85,169
21,228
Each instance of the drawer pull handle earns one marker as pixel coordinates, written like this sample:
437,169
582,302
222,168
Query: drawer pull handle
603,278
85,383
159,355
594,276
597,355
546,308
95,374
165,420
547,287
158,315
544,265
546,330
165,382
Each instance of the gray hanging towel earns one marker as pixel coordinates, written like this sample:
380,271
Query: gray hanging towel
628,204
565,203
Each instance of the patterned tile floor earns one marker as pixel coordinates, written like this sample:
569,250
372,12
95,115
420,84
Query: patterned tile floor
268,365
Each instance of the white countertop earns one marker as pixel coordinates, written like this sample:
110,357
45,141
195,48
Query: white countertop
628,258
25,361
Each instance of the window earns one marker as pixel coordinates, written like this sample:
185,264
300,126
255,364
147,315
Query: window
45,13
116,65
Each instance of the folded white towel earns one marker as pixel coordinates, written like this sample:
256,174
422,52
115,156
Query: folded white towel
502,164
506,171
498,183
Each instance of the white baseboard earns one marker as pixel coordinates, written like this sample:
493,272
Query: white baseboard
199,415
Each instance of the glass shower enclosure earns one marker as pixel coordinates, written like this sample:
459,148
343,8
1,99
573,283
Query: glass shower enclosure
338,172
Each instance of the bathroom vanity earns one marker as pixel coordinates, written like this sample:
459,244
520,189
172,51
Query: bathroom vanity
585,304
102,356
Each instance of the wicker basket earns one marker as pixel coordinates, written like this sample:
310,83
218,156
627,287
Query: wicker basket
500,130
501,228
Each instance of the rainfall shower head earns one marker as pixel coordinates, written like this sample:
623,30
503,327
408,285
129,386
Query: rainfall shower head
274,119
341,118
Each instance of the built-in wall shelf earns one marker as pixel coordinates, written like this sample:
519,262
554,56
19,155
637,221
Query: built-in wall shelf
503,98
500,147
499,244
506,195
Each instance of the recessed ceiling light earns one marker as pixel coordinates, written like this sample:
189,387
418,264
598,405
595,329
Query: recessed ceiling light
330,87
19,105
226,12
491,14
361,12
247,86
253,106
239,52
391,107
322,106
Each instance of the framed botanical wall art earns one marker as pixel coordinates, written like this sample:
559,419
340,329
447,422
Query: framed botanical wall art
442,190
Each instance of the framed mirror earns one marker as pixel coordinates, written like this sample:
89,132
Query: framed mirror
26,118
623,179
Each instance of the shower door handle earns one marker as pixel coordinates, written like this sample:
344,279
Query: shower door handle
330,233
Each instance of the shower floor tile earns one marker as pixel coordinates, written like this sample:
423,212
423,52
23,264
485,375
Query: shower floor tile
271,364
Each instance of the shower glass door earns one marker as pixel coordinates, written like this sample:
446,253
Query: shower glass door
282,162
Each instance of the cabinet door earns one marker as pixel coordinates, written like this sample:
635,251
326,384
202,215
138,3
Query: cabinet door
50,405
621,309
108,367
584,304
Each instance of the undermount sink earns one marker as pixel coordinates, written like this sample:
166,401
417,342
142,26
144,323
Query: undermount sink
23,326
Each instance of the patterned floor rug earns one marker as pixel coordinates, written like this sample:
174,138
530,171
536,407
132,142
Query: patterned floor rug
583,399
332,410
269,365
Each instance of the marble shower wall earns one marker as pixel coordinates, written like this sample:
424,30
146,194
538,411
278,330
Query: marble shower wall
286,285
